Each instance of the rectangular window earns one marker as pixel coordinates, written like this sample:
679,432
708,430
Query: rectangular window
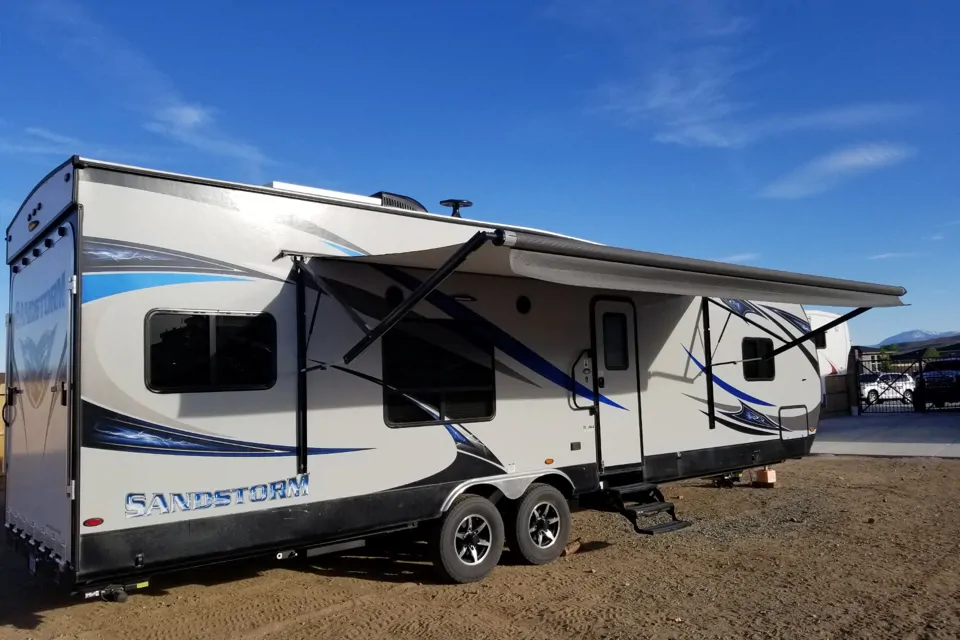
436,371
820,341
204,352
758,369
616,356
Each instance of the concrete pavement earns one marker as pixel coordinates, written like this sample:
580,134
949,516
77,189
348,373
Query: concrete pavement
931,434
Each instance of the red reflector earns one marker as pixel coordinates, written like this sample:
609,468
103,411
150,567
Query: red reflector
93,522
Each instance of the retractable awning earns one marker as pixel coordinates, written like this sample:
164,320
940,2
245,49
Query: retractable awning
583,264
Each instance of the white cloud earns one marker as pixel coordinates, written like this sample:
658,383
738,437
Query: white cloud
827,171
687,61
891,256
36,141
937,236
131,79
51,137
740,258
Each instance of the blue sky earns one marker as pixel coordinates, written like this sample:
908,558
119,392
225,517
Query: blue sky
809,136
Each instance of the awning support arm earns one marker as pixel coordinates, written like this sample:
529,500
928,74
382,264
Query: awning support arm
426,288
708,361
302,338
818,331
793,343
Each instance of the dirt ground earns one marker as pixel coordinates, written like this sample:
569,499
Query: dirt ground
842,548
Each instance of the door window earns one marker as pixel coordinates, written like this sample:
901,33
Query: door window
616,353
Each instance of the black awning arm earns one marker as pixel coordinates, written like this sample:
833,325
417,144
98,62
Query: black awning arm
795,342
708,362
818,331
426,288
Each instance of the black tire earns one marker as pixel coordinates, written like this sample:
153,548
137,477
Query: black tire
529,545
447,546
873,397
908,396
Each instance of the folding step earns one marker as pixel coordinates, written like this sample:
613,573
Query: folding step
630,489
666,527
650,508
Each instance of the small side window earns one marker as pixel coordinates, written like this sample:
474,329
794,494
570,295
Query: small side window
757,365
616,352
820,341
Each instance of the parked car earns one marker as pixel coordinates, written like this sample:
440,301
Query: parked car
940,382
877,388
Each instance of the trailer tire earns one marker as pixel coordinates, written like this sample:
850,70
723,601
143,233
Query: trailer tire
469,541
544,508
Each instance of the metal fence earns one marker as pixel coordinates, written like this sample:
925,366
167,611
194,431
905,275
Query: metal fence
890,382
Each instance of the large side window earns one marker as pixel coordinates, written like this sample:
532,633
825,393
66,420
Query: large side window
754,369
435,371
203,352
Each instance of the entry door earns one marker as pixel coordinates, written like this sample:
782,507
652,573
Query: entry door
618,407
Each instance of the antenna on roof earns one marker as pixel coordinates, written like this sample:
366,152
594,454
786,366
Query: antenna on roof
456,204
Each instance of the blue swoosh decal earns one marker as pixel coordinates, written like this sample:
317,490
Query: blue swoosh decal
102,285
728,387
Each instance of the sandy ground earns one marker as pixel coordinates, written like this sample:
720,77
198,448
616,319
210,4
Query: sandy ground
842,548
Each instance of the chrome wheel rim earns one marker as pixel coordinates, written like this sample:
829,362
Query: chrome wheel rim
544,525
473,540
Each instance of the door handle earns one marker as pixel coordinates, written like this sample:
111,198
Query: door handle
63,393
600,382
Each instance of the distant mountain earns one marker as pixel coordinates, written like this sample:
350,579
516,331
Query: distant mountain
916,335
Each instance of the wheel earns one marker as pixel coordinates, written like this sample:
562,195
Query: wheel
873,397
541,526
468,543
908,396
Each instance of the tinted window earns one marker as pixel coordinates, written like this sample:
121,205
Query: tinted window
754,369
616,355
869,377
434,371
198,352
820,341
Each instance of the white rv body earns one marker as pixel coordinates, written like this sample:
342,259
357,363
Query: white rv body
832,346
834,350
113,474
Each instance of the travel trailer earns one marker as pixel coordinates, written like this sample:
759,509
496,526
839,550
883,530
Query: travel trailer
202,371
833,346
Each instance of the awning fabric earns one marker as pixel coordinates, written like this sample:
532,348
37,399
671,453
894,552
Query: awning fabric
583,264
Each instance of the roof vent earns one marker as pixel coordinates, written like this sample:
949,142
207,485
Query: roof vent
399,201
456,204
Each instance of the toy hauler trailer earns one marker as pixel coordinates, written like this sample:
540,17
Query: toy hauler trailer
201,371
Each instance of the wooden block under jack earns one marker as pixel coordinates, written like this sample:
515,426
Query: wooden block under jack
571,548
765,478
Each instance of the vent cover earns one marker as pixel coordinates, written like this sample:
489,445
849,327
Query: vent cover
399,201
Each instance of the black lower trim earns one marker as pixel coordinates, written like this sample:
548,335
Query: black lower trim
173,545
168,546
669,467
585,477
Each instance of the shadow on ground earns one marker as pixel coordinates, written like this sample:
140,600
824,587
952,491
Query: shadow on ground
398,558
